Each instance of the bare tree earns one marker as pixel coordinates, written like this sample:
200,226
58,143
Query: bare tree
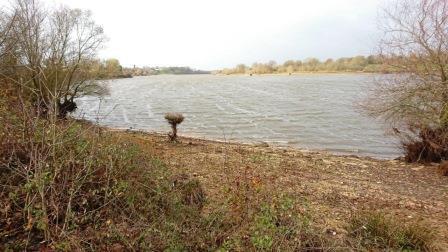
6,40
54,49
5,29
415,44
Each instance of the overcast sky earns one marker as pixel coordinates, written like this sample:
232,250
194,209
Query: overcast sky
211,34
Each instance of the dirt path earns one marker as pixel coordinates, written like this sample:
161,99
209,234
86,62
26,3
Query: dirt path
335,186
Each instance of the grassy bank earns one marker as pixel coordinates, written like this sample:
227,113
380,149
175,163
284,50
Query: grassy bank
69,185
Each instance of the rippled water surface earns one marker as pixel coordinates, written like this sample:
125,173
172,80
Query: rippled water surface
306,111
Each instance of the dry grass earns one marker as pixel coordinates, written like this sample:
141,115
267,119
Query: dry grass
191,190
375,230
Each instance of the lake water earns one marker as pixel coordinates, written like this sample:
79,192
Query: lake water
314,112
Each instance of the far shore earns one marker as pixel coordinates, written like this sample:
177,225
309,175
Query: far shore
297,73
246,74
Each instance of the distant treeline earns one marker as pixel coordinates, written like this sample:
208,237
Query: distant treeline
370,64
144,71
111,69
107,69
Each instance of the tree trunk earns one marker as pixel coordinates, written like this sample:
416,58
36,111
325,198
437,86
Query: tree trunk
173,135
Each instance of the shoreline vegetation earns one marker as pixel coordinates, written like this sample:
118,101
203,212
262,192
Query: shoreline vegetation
358,64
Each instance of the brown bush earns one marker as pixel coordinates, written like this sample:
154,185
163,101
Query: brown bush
429,145
191,190
443,168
